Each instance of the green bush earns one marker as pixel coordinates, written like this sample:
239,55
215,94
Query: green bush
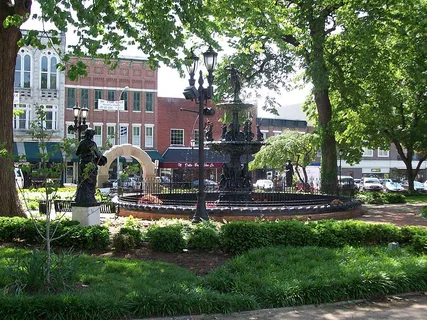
381,197
203,238
69,233
123,242
135,233
166,239
424,212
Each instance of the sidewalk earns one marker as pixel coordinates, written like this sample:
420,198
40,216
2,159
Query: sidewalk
411,306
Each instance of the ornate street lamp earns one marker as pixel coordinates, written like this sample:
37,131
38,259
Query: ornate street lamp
80,116
200,95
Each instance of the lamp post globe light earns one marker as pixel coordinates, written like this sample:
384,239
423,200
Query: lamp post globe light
80,116
200,95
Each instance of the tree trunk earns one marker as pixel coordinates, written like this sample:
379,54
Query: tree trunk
9,203
328,144
320,77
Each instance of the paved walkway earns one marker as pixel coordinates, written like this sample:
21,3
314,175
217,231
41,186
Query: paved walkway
404,307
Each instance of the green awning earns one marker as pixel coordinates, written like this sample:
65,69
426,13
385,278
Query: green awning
154,155
30,151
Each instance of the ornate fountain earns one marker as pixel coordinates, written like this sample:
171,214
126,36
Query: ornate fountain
236,142
235,199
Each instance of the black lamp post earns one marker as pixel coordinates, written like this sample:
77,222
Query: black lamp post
201,95
80,116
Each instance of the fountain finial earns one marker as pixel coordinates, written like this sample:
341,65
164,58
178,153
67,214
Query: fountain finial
234,79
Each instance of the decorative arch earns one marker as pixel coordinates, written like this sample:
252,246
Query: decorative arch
127,150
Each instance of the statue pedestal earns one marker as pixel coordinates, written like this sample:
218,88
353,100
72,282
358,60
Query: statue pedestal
88,214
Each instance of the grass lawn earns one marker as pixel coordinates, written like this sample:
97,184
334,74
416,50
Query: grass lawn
261,278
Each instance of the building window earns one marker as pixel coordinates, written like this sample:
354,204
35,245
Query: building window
124,135
48,72
149,135
22,121
137,101
70,133
23,70
124,97
383,153
51,119
136,135
97,95
149,102
177,137
111,134
264,134
98,134
71,97
367,152
84,98
111,95
195,138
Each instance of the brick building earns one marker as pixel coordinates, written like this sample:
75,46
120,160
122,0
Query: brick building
132,81
178,140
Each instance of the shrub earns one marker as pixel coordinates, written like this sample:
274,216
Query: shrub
381,197
424,212
69,233
166,239
203,238
133,232
123,242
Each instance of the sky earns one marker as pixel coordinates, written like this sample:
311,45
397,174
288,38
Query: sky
170,84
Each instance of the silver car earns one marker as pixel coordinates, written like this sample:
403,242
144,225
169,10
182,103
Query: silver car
371,184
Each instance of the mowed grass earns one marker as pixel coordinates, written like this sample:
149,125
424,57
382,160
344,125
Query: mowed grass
261,278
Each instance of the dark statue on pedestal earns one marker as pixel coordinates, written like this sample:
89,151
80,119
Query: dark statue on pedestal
289,172
90,159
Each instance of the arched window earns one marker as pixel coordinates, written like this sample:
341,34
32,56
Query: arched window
23,70
48,71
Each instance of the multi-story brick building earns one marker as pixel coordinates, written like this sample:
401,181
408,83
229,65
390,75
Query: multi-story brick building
132,81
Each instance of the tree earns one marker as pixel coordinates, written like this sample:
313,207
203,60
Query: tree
272,39
300,148
380,82
157,27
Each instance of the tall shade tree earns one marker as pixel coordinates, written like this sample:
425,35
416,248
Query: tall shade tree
300,148
274,38
380,82
156,27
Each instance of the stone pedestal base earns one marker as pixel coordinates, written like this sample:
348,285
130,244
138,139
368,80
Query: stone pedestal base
86,214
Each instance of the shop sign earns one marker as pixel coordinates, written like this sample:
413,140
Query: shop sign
376,170
190,165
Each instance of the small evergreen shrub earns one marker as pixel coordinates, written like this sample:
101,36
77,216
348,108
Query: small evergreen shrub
424,212
123,242
166,239
203,238
133,232
381,197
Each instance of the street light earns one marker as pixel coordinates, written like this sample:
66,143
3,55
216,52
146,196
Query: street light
118,135
80,116
201,95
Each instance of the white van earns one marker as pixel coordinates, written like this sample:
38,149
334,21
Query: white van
19,178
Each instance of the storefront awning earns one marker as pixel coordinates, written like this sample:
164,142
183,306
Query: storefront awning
189,158
31,152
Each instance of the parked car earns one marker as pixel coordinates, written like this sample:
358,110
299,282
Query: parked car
357,183
209,184
265,184
418,186
346,183
393,187
371,184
